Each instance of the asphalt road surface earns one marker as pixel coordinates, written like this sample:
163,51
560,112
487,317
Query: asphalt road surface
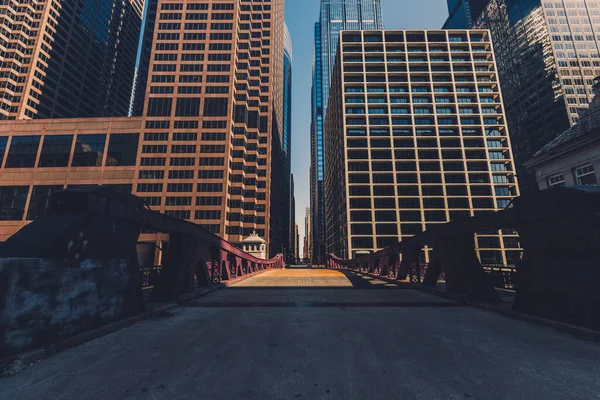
318,334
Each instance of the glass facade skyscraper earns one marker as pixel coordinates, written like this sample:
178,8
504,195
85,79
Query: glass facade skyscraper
335,16
464,13
547,54
68,59
287,93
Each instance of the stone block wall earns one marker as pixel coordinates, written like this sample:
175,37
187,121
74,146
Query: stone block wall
45,300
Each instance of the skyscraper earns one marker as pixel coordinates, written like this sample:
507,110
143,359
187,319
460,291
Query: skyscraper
335,15
208,145
416,136
464,13
68,59
138,97
288,190
548,55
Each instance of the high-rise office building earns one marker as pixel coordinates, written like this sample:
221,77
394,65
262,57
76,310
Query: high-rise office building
548,55
207,145
68,59
463,14
288,184
335,15
307,252
138,97
415,136
293,226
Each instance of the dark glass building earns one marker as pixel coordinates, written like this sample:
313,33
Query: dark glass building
548,55
335,15
68,59
462,14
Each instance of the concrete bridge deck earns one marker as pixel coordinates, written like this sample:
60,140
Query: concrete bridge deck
317,334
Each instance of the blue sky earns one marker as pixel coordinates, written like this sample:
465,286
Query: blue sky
300,16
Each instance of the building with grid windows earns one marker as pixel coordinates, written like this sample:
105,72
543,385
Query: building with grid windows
206,145
415,136
68,59
548,55
335,15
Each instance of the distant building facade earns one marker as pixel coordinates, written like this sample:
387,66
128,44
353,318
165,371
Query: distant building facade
307,234
573,158
335,15
416,136
547,55
206,145
293,226
68,59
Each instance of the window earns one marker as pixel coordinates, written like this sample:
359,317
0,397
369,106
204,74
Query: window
556,180
56,151
22,152
584,176
187,107
215,107
159,106
89,150
3,142
12,202
122,149
40,198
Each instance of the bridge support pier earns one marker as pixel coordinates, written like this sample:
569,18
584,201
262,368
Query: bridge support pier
177,278
224,265
409,258
464,273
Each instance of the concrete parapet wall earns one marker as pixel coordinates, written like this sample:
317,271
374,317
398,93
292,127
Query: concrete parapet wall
45,300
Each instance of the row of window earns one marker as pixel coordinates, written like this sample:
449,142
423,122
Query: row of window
421,99
425,166
413,37
187,107
407,110
584,176
385,120
436,69
430,178
426,203
402,58
429,191
378,142
420,89
57,150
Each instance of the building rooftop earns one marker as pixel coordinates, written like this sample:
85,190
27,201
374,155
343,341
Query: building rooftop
254,238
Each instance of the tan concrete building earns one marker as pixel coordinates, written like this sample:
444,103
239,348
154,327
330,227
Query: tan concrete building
415,136
70,59
208,141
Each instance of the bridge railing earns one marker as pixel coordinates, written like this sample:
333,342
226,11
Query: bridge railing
82,256
100,224
556,277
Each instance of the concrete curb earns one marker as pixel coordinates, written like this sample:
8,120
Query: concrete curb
23,360
574,330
